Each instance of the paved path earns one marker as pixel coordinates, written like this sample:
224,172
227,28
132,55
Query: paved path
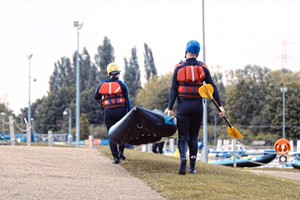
66,173
279,174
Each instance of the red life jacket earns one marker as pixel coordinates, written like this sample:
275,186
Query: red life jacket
190,78
112,95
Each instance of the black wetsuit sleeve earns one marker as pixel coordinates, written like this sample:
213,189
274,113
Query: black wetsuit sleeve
126,95
98,96
173,90
209,80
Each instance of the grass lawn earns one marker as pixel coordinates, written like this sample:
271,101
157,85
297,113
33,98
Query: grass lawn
210,182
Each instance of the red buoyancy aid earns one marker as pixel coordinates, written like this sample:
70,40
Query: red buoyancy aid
190,78
112,95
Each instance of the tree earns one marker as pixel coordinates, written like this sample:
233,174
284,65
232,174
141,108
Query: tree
274,104
85,127
246,97
217,76
90,107
150,69
88,72
62,76
104,57
48,113
155,93
132,73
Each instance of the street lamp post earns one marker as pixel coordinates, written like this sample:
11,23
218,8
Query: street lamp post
78,26
29,94
283,90
3,114
70,138
205,132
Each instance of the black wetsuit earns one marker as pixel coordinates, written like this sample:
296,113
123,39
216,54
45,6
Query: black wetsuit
189,113
113,115
158,147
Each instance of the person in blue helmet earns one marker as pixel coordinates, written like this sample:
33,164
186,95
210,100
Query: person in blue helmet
114,97
188,76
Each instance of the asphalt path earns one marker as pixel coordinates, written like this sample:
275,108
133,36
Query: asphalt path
30,172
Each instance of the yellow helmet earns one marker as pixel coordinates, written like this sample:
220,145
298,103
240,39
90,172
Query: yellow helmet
113,67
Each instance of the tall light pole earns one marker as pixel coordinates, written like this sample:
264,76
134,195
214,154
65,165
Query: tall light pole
68,111
3,114
283,90
205,150
29,93
78,26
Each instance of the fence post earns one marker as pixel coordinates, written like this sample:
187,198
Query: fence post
11,131
28,128
50,139
171,145
91,141
149,149
144,147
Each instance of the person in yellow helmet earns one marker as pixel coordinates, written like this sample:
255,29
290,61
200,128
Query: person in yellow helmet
114,97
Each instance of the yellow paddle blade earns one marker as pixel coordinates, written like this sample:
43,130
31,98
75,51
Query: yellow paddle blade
206,91
234,133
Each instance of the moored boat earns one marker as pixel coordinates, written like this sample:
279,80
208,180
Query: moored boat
249,162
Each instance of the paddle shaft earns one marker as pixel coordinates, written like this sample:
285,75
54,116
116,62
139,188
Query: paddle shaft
221,111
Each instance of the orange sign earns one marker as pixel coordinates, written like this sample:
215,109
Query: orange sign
282,146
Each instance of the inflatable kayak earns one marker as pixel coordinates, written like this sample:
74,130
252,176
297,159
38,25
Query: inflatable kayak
254,162
142,126
296,164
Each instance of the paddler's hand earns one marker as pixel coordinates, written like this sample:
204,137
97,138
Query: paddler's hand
222,113
170,113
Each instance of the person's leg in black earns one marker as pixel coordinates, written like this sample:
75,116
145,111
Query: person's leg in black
193,147
182,146
154,147
196,121
183,123
119,113
161,147
121,152
109,122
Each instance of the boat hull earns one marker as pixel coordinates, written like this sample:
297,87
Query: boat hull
142,126
296,164
258,161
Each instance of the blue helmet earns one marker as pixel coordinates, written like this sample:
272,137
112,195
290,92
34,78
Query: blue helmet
193,47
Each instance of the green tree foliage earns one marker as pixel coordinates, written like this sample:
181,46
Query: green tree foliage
155,93
273,111
90,107
254,100
132,74
217,77
150,69
49,112
245,100
62,76
84,126
88,72
104,56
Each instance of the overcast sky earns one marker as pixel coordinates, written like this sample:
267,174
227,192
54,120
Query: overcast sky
237,33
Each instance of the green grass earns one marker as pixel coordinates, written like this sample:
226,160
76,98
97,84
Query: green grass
211,182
